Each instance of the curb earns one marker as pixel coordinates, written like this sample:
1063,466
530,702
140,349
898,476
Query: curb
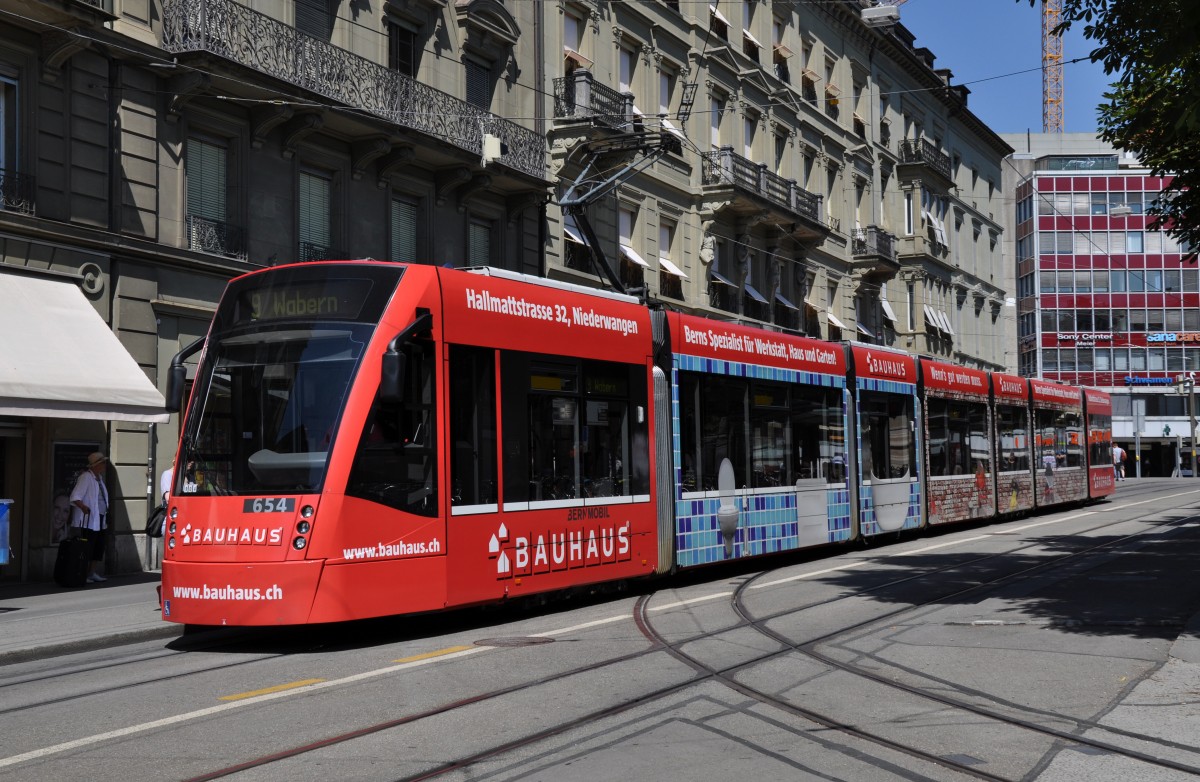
90,644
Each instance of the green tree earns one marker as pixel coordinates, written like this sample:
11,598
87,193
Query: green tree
1152,47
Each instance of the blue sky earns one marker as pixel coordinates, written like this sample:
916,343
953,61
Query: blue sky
983,41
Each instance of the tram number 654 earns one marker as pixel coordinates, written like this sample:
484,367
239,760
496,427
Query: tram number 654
269,505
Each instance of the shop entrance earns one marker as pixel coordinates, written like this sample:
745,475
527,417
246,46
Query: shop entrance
13,458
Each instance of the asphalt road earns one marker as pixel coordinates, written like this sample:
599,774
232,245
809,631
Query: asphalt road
1050,648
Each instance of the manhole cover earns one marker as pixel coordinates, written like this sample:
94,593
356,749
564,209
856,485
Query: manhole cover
529,641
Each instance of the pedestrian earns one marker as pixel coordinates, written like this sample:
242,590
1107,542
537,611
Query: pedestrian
1118,462
90,515
164,483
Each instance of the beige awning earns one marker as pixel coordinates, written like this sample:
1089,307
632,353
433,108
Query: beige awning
630,254
833,319
59,359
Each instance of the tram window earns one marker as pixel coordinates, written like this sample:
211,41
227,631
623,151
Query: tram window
1059,438
1012,427
958,440
889,444
396,461
1100,436
818,434
714,429
773,434
770,448
572,429
472,426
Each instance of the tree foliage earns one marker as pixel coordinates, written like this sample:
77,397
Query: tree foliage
1152,48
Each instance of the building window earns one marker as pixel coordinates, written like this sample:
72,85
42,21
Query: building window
626,65
206,168
315,222
479,83
8,125
717,109
404,231
670,283
479,243
403,50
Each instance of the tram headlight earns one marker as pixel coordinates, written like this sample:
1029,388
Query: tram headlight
171,542
303,527
171,529
175,511
299,543
307,511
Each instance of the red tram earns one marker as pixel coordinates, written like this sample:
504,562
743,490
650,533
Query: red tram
367,439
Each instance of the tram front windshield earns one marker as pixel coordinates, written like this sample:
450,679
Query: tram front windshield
278,368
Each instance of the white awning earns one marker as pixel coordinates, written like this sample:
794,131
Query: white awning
630,254
573,235
670,127
783,51
931,317
570,55
59,359
888,311
864,331
720,17
833,319
671,268
751,38
753,293
946,320
717,277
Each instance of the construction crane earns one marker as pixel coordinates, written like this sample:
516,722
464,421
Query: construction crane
1052,68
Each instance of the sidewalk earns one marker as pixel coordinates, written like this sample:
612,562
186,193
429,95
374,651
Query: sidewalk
45,620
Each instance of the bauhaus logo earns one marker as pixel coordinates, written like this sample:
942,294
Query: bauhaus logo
543,551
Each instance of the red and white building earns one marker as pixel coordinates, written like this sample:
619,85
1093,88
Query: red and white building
1102,298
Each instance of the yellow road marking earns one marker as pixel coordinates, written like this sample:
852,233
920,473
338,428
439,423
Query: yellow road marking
438,653
269,690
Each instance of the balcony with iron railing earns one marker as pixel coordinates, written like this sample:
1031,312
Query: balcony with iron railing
920,152
722,295
216,237
579,96
754,186
874,250
311,251
786,317
16,192
271,47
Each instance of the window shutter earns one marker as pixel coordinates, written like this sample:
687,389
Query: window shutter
312,17
478,84
479,241
206,185
404,231
314,207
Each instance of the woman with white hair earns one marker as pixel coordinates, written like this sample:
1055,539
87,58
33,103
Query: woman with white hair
89,517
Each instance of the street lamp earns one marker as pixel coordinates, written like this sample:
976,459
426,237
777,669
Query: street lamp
1186,384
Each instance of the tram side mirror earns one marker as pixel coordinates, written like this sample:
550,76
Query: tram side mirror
391,379
176,382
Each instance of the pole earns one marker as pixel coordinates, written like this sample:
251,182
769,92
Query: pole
1191,387
1139,415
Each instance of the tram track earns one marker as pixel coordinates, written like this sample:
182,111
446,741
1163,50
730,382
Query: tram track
640,615
1075,737
659,643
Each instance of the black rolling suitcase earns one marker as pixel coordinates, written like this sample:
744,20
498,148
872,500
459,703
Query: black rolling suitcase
74,558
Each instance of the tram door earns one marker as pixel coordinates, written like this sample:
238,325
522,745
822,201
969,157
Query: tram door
888,455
